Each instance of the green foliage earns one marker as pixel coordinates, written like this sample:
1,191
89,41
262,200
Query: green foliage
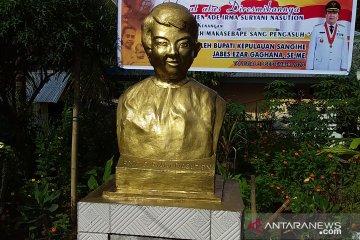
47,31
356,50
10,169
97,135
350,191
39,208
224,172
279,89
293,155
43,199
312,203
98,132
243,184
348,153
93,182
60,226
340,149
44,35
344,147
45,214
53,153
107,171
303,175
339,100
354,143
305,120
233,135
307,124
38,35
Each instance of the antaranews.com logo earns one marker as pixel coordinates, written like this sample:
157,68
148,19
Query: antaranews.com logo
301,226
323,228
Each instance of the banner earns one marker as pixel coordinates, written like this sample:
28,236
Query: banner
272,36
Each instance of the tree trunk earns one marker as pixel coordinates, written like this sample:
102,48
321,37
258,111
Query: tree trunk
74,144
3,181
20,92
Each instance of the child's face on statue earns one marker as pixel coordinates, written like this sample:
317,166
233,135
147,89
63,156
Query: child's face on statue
172,52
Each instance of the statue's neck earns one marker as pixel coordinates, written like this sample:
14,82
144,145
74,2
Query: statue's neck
168,83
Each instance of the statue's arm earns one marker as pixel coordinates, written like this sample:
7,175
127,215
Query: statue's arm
219,117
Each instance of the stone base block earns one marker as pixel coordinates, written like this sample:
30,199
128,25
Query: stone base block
98,217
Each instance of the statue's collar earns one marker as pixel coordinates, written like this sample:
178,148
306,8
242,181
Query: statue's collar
163,84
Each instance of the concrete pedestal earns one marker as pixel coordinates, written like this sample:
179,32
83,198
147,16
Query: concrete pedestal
102,219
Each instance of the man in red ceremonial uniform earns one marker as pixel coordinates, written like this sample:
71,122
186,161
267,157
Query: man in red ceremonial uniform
328,49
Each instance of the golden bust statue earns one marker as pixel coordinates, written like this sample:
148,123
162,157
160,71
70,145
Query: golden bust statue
168,125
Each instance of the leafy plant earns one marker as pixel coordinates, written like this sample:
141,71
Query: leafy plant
38,209
340,101
304,174
348,153
60,226
279,89
307,124
346,148
233,140
93,182
243,183
53,154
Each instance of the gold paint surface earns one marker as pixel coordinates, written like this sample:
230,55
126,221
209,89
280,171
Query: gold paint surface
226,190
168,125
166,178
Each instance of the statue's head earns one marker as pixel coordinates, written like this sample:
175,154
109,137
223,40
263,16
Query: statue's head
169,36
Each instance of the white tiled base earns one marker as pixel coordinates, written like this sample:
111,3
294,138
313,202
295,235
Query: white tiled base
92,236
156,221
99,219
124,237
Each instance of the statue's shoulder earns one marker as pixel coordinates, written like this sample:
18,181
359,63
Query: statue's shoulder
137,88
207,93
200,87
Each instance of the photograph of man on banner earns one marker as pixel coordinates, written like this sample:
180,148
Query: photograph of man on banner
328,49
